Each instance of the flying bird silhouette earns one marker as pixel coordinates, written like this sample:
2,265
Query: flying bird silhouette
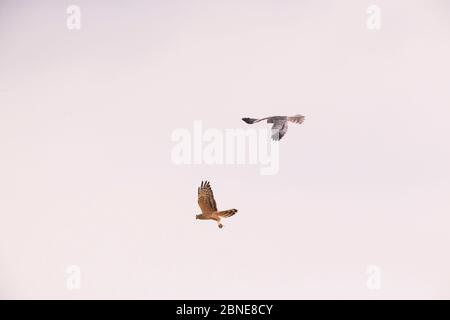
208,205
280,124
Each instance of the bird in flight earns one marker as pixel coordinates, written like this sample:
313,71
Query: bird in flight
280,124
208,205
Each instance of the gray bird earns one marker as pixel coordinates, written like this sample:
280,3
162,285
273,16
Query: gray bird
280,124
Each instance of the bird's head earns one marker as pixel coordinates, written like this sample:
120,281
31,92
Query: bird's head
197,216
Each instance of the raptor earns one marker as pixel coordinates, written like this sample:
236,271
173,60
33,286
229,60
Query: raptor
280,124
208,205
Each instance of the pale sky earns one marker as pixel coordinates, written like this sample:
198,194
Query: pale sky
86,176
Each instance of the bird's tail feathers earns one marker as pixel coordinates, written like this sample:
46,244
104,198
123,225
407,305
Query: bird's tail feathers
227,213
250,120
298,118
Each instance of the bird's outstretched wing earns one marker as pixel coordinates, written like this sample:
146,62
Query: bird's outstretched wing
279,129
250,120
206,198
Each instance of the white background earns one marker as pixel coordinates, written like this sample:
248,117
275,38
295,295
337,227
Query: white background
85,171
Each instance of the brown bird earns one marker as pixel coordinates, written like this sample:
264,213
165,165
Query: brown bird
280,124
208,205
